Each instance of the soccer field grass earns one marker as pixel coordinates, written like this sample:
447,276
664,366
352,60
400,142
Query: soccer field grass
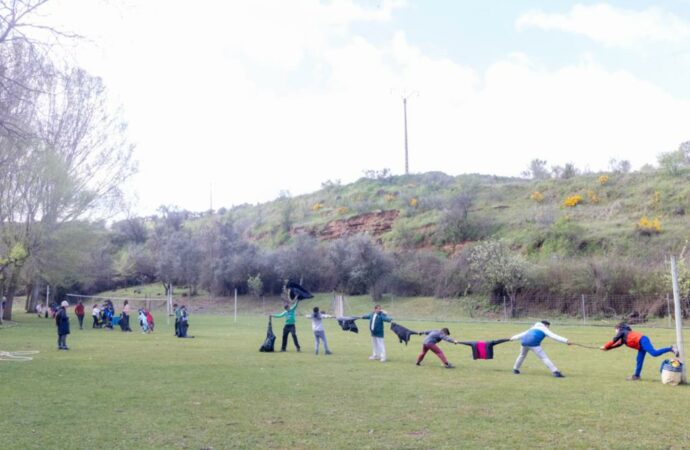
134,391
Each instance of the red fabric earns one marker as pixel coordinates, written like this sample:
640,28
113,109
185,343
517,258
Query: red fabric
434,348
481,348
79,310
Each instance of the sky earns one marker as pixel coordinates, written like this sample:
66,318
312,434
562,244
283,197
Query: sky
233,102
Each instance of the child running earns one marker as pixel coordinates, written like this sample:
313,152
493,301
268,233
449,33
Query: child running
626,336
531,340
431,343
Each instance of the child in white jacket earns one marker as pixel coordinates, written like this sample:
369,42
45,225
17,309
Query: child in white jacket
531,340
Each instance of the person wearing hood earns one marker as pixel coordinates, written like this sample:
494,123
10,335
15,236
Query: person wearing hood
531,341
626,336
62,323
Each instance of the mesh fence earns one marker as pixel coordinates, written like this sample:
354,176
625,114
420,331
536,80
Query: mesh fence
656,311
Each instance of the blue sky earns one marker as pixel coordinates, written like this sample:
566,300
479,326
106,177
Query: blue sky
234,97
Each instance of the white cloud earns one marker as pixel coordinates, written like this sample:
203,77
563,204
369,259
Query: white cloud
258,97
616,27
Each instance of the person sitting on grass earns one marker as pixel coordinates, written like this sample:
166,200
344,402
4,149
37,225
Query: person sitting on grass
531,340
431,343
626,336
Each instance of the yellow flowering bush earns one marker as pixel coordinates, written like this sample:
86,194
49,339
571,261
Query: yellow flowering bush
413,202
603,179
316,206
537,196
573,201
343,210
647,227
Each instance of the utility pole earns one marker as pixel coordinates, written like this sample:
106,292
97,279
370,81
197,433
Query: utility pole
407,164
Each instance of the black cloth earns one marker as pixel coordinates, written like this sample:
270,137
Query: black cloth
297,292
488,346
269,342
289,329
62,322
348,324
402,332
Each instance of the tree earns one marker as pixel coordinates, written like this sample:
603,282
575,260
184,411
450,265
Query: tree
619,166
497,269
537,170
64,153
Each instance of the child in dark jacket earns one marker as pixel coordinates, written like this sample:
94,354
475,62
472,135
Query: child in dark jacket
626,336
62,323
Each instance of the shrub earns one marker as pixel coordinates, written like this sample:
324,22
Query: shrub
316,206
647,227
573,201
592,197
537,196
413,202
603,180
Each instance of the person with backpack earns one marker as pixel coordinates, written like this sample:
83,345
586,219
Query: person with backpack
637,341
531,341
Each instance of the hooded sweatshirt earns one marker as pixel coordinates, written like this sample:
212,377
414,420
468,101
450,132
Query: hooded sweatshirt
536,334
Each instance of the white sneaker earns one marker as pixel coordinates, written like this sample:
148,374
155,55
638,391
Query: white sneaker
383,359
372,357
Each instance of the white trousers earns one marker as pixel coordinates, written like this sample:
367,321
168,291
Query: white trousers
378,348
540,354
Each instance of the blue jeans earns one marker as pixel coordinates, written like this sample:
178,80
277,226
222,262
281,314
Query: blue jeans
647,347
320,335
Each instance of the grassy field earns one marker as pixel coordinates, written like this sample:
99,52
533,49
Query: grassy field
133,391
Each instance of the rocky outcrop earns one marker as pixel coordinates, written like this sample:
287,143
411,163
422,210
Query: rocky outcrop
373,224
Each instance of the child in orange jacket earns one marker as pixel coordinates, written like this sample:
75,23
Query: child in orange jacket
626,336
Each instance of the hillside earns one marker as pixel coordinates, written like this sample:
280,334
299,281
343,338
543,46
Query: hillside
444,213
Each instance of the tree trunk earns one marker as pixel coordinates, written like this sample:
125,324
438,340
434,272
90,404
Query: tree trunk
10,290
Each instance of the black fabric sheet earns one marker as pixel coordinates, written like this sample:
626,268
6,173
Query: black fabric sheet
297,292
348,323
270,340
402,332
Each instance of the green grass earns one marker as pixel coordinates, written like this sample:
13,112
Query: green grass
117,390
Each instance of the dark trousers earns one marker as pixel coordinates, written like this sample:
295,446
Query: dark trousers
62,341
289,329
81,321
96,323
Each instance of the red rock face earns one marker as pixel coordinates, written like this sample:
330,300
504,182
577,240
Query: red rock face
373,224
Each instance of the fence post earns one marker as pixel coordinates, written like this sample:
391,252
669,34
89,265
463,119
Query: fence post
584,311
679,318
505,309
668,310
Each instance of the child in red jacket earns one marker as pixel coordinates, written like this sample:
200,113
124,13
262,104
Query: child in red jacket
626,336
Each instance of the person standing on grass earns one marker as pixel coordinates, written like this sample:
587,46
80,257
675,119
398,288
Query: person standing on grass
433,337
376,319
79,312
124,317
289,327
626,336
62,323
319,333
96,314
178,317
531,340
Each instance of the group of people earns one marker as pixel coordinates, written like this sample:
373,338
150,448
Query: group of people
181,321
530,340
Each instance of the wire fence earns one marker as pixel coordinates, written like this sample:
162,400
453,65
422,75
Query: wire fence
584,309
